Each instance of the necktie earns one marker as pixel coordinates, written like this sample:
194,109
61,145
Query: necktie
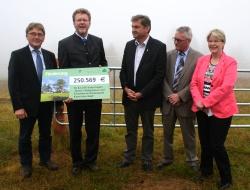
39,65
84,41
85,49
178,71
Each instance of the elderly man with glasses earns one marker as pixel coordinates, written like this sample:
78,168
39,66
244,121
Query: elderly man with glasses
177,100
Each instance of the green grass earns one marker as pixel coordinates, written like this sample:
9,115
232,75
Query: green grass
54,96
177,176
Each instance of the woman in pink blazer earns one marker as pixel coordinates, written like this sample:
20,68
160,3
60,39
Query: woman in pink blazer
214,103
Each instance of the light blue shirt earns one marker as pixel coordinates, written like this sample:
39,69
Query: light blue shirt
33,53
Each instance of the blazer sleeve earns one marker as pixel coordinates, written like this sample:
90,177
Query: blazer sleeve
13,82
103,61
123,78
54,61
194,85
220,92
184,94
159,72
167,90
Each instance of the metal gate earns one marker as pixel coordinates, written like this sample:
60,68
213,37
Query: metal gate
115,114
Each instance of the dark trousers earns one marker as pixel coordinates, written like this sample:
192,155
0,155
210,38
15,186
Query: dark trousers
132,113
92,113
26,127
212,133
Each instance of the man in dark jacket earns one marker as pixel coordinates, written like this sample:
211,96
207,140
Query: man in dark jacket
24,80
141,78
82,50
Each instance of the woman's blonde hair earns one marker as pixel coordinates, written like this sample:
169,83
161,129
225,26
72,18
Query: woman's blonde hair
218,34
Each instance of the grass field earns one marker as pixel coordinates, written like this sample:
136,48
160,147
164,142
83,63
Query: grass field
175,177
54,96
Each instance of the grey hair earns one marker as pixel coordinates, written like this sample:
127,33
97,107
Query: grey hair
186,30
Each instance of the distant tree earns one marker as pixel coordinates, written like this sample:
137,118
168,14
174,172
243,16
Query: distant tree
59,86
46,88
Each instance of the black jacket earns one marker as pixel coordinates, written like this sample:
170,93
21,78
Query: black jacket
24,85
150,73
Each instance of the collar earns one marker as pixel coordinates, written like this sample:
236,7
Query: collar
32,49
185,52
143,43
85,37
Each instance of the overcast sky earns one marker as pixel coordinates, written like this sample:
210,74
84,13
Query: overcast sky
111,22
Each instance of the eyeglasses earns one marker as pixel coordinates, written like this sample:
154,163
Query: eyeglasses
34,34
178,40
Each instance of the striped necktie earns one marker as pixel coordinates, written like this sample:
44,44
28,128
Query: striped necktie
178,71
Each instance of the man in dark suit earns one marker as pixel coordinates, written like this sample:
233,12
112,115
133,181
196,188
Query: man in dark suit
141,78
24,80
177,100
82,50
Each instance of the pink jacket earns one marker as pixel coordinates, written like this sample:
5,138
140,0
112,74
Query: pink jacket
221,99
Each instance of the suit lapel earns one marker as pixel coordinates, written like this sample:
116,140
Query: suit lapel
146,53
91,47
46,59
188,62
205,64
31,63
172,64
131,56
219,67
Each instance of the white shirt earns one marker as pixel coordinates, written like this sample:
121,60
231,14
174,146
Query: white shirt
86,37
140,48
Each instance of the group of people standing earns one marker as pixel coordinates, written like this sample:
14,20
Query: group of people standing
182,82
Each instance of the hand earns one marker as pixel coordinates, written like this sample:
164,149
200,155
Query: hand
68,100
174,99
200,105
130,93
21,113
138,95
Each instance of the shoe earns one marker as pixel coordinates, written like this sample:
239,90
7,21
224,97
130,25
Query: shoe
202,177
124,164
195,168
76,170
162,165
91,167
222,186
26,171
50,165
147,166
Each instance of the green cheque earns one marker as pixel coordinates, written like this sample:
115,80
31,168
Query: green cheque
78,84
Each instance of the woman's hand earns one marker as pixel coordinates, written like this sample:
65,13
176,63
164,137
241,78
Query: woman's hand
200,105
